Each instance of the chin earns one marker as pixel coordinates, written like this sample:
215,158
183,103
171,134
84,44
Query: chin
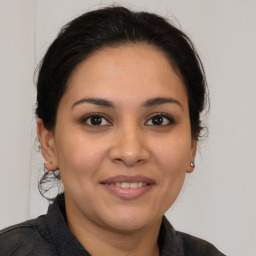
129,221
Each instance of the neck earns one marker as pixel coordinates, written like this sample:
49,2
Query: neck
98,240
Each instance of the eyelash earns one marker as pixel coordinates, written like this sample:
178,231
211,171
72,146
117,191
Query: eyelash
169,118
85,119
88,117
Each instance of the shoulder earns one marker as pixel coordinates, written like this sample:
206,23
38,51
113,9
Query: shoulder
23,239
195,246
174,242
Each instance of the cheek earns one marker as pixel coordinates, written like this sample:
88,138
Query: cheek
79,157
173,155
172,169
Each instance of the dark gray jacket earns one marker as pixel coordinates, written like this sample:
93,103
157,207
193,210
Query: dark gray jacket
49,235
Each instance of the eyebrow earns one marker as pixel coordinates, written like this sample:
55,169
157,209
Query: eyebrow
148,103
95,101
160,101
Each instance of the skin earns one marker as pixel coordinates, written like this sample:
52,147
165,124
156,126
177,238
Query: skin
125,143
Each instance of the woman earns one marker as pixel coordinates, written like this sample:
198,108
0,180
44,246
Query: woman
119,97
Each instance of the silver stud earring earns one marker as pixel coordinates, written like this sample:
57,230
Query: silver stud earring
192,163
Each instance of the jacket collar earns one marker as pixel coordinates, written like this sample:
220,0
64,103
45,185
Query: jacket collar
53,226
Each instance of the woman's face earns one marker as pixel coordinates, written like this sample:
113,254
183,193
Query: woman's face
122,139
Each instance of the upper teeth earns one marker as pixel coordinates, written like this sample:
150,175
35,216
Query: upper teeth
130,185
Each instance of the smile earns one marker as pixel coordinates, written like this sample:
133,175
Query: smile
129,185
128,188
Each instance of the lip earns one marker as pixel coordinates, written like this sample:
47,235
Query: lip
128,193
129,179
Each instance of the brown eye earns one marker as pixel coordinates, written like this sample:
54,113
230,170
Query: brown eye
160,120
157,120
96,120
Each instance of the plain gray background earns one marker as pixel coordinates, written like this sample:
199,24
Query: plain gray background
218,201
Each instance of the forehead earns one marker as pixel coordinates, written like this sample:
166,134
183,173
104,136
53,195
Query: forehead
131,72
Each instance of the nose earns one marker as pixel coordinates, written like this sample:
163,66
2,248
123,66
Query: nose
129,147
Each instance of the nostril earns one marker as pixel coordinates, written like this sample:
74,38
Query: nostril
129,154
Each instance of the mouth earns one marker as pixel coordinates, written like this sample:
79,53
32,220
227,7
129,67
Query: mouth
128,187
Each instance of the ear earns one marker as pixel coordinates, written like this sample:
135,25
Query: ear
47,142
193,155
